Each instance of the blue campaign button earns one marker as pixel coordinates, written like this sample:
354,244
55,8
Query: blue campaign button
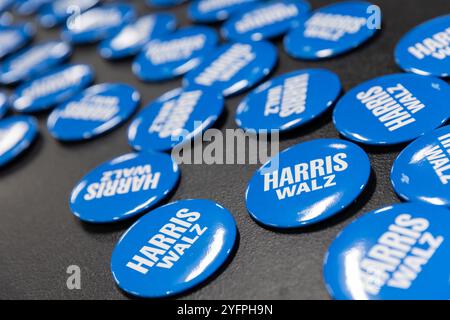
96,110
234,67
29,7
52,88
98,23
174,248
422,170
54,13
174,118
399,252
174,54
392,109
13,38
124,187
307,183
16,135
426,48
288,101
133,37
208,11
33,60
333,30
5,4
267,20
4,104
163,3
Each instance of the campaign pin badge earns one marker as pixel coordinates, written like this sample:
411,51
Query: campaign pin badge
399,252
392,109
234,67
124,187
199,237
93,112
52,88
421,170
16,135
333,30
54,13
265,21
163,3
208,11
174,118
33,60
15,37
174,54
134,36
4,104
307,183
426,48
98,23
289,100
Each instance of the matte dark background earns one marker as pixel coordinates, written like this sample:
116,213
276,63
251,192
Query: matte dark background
39,237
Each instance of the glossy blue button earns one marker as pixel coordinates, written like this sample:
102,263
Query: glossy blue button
94,111
307,183
173,248
163,3
33,60
124,187
234,67
426,48
398,252
174,118
174,54
98,23
52,88
133,37
29,7
332,30
265,21
288,101
57,12
5,4
392,109
422,170
13,38
16,135
208,11
4,104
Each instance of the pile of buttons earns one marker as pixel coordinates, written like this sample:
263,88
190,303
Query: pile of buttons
396,252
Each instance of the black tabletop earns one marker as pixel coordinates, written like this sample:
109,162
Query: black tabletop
40,238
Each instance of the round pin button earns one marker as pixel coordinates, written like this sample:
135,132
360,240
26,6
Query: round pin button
94,111
234,67
174,248
133,37
208,11
124,187
174,54
398,252
16,135
333,30
265,21
4,104
13,38
392,109
174,118
307,183
421,172
55,13
289,101
33,60
426,48
52,88
99,23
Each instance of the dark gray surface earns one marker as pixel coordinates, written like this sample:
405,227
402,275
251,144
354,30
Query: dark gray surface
39,238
